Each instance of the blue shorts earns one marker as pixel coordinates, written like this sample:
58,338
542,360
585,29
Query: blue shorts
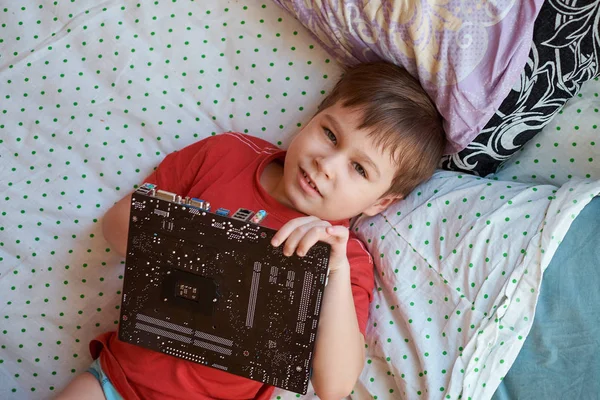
109,390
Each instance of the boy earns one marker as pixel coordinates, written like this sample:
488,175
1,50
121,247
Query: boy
373,139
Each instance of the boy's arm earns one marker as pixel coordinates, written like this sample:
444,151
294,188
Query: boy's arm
115,225
339,349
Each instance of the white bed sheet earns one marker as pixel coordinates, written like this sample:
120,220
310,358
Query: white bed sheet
92,97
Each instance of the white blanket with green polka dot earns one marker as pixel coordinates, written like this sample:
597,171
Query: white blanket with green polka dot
94,94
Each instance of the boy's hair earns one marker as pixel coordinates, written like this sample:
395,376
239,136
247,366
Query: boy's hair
400,116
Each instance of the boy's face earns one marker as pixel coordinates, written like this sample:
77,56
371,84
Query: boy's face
334,171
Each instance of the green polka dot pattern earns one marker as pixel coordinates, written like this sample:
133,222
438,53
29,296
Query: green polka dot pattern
92,96
458,267
568,147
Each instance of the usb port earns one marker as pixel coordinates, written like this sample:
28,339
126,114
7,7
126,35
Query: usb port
242,214
222,212
146,189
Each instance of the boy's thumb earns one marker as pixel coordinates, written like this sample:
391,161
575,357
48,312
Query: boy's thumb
338,231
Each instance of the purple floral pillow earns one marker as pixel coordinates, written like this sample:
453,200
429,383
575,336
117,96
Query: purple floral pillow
466,54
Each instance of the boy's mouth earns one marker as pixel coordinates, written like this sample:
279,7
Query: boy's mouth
306,179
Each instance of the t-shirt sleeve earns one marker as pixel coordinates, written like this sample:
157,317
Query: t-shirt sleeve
361,279
178,171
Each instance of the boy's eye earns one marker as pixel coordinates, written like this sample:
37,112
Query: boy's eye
360,170
330,135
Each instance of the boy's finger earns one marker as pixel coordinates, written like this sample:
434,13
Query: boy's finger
287,229
311,237
289,246
339,232
336,236
291,243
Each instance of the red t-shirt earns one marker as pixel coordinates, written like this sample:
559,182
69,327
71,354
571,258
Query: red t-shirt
225,170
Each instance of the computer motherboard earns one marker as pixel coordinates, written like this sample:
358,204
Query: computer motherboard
210,288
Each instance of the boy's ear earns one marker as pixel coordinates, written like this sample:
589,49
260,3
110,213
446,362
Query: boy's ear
381,204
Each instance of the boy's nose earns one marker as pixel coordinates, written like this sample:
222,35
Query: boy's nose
326,165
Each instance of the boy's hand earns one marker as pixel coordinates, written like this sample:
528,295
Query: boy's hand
302,233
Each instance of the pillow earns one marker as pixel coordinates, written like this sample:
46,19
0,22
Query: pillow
459,264
569,146
564,55
466,56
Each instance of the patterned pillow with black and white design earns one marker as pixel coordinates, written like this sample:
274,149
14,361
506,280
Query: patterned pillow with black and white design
565,53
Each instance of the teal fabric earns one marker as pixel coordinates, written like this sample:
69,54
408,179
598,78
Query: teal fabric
561,357
109,390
